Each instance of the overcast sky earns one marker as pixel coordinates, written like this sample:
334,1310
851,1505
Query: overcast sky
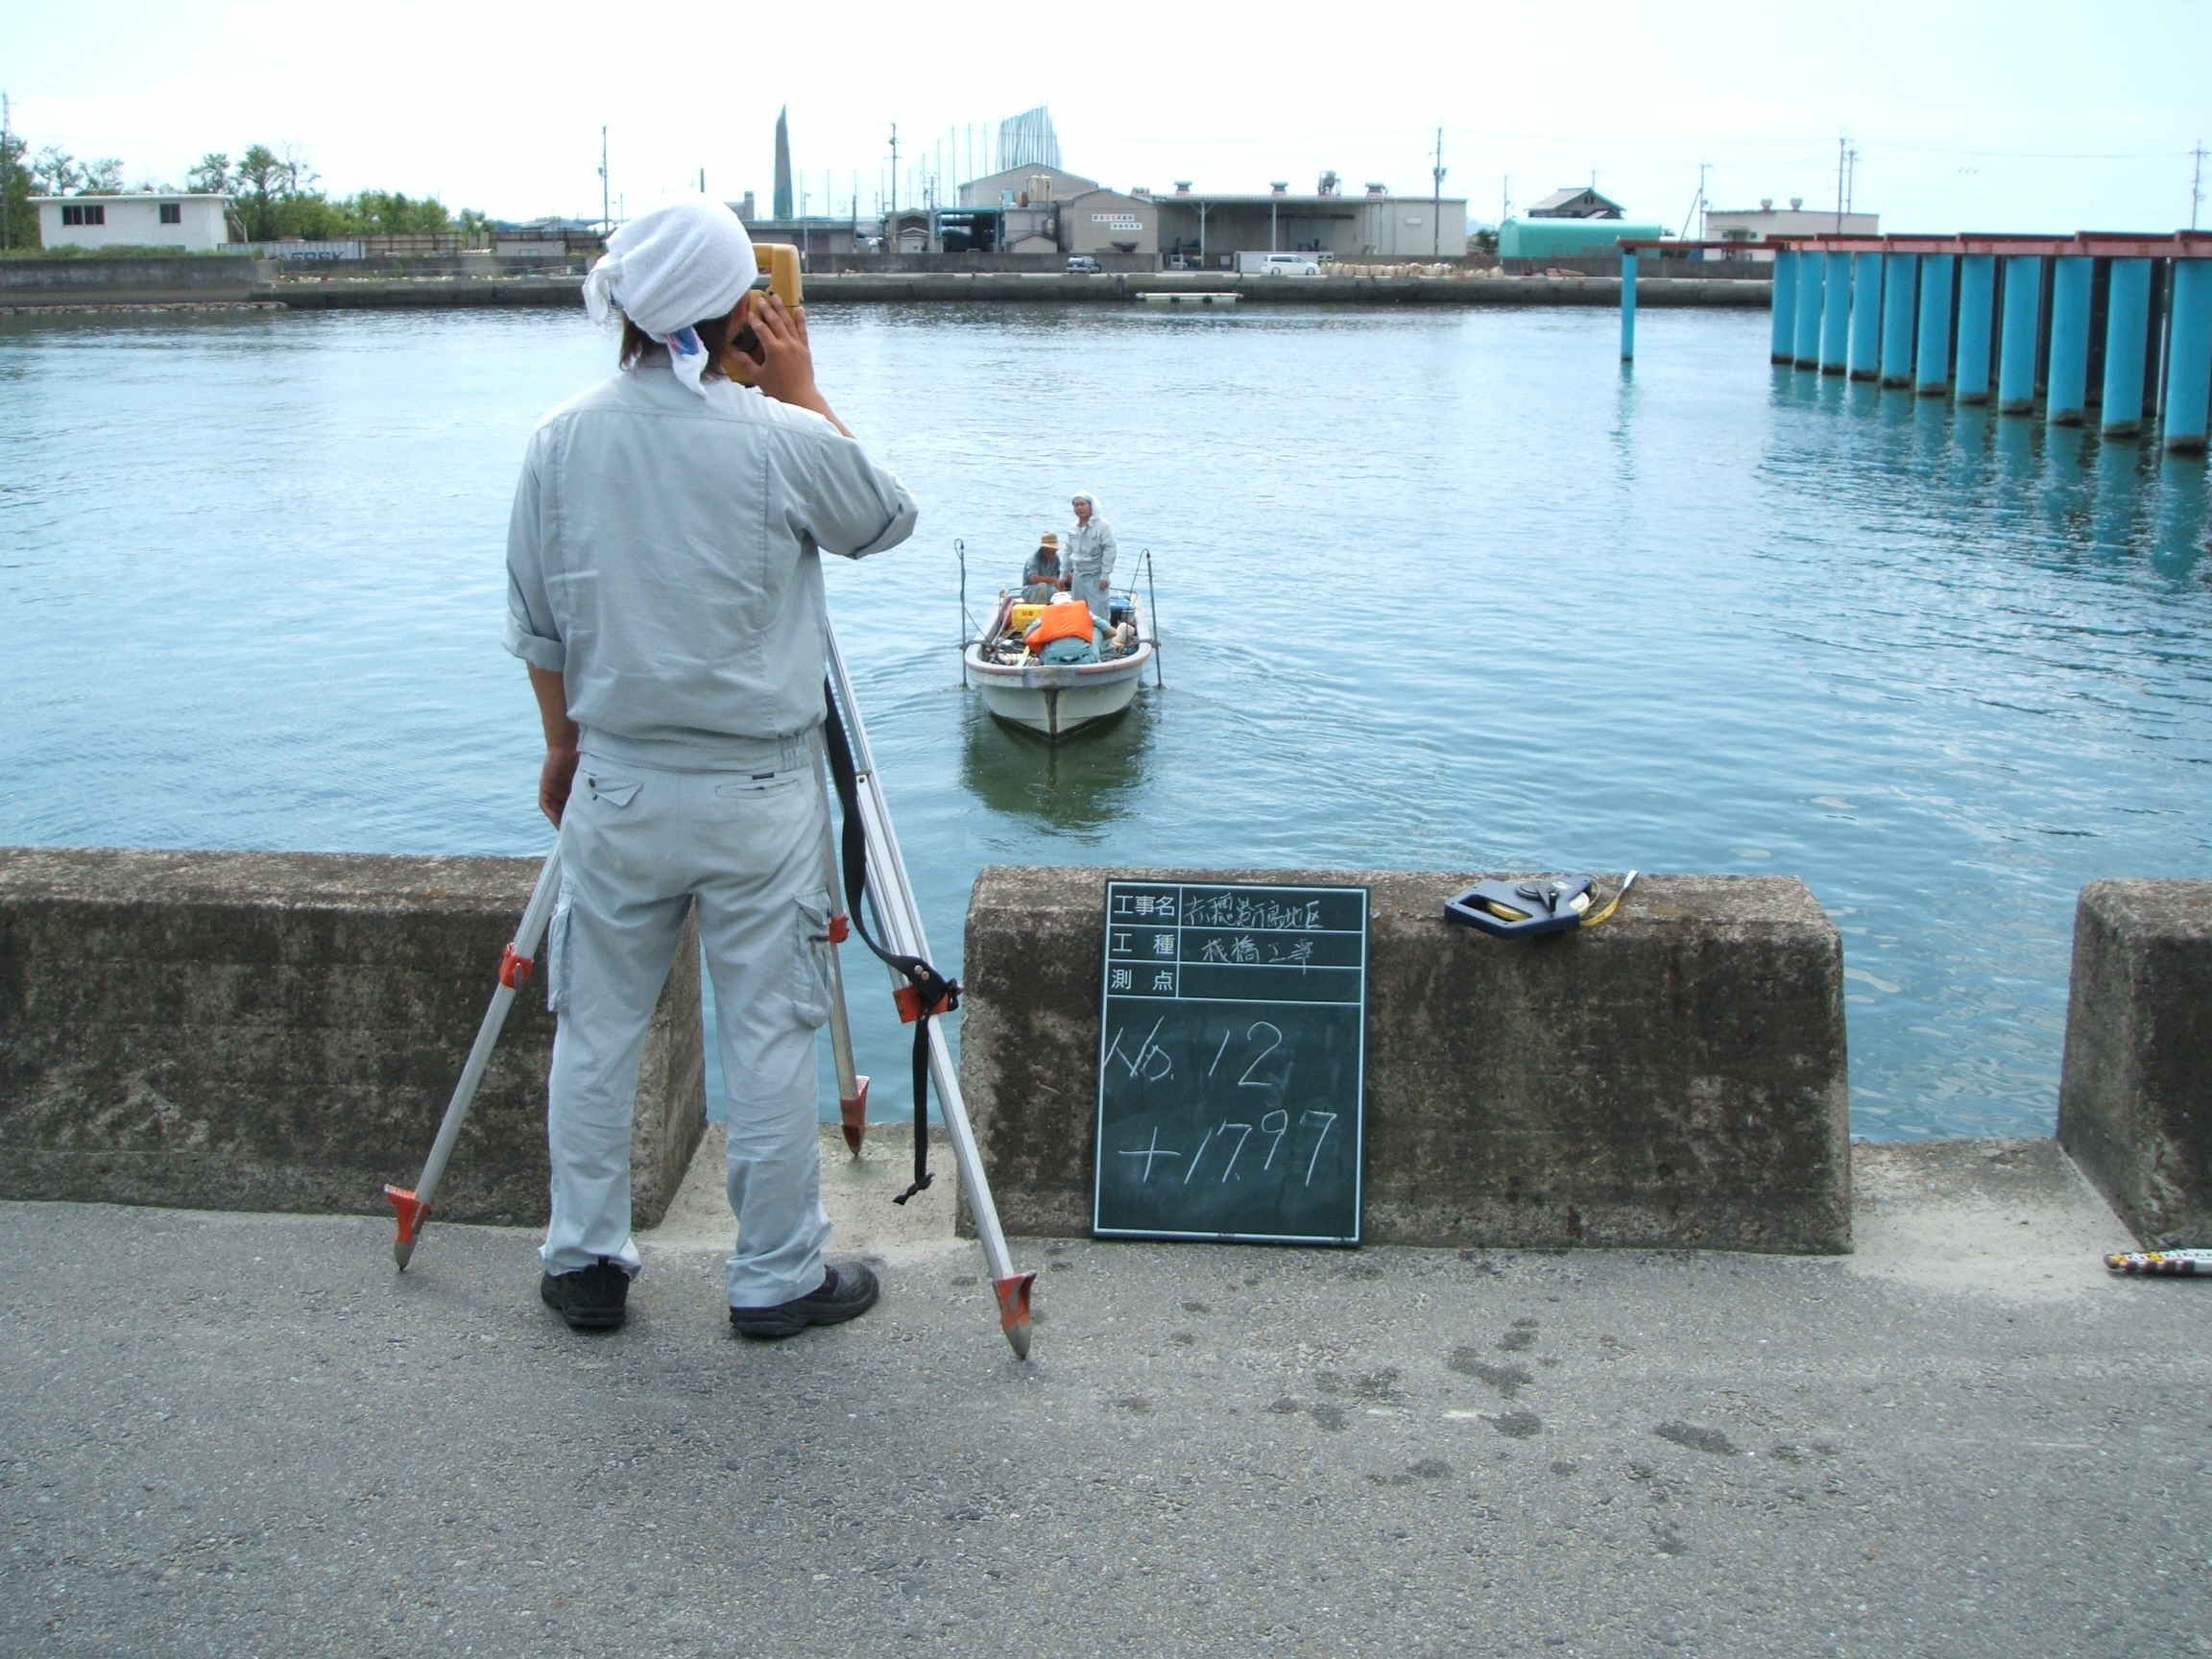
1966,114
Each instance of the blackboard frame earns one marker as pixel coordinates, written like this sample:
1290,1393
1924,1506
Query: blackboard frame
1190,952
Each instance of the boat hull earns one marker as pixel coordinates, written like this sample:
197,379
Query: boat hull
1054,700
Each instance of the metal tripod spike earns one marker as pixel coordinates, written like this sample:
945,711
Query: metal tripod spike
901,919
413,1204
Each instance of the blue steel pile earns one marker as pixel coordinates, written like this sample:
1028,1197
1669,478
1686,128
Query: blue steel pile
2064,322
2059,320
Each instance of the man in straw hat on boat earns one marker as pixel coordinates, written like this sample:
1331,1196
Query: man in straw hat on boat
1042,576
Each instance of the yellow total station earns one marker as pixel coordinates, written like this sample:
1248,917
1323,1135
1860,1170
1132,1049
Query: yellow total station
778,263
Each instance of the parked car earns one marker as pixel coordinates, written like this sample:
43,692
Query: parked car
1083,265
1278,265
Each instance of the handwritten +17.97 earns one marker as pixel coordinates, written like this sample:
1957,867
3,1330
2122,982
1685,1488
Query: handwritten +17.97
1151,1063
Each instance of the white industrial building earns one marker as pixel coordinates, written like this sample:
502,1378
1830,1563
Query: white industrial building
187,223
1211,230
1761,224
1049,209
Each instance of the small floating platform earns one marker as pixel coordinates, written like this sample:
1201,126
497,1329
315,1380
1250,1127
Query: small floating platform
1201,298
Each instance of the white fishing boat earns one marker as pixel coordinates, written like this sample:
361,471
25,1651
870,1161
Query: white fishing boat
1053,699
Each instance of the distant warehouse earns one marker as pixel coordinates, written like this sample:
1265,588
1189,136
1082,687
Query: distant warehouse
1751,226
1040,209
1211,230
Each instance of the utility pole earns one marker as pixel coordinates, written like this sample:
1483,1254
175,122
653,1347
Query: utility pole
1504,199
3,243
1842,147
894,169
605,224
1696,204
1851,179
2196,182
1436,201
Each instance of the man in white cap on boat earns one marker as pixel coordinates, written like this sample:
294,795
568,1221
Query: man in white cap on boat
664,587
1090,556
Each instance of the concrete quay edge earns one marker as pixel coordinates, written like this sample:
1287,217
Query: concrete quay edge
447,292
242,1432
896,287
1677,1076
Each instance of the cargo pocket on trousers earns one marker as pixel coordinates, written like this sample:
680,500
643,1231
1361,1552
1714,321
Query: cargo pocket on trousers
810,962
616,792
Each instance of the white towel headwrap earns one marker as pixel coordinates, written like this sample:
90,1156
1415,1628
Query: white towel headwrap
682,262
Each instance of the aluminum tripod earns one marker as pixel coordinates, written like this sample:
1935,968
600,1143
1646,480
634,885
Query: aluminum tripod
413,1204
900,921
901,917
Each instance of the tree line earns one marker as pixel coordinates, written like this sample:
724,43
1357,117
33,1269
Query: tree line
273,195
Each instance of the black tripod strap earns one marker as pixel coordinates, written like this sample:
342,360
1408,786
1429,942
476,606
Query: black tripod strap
932,991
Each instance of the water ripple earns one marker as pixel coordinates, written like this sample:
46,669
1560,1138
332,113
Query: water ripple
1435,591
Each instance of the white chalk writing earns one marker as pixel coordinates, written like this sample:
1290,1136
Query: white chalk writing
1151,1063
1276,1126
1241,910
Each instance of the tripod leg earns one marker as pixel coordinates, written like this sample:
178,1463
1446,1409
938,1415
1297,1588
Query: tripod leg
413,1204
852,1087
901,915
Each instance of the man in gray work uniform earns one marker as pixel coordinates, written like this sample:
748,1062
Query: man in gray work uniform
665,589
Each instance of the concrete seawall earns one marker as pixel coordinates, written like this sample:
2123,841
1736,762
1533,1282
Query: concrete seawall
2134,1104
283,1031
1673,1079
201,278
75,283
1053,288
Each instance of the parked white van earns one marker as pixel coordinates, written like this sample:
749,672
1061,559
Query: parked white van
1278,265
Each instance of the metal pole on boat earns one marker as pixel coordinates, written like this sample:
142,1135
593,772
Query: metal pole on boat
960,546
1152,606
901,917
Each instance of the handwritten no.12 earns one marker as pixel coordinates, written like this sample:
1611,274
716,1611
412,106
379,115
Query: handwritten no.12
1153,1064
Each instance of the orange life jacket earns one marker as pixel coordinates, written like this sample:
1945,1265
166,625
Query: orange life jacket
1059,622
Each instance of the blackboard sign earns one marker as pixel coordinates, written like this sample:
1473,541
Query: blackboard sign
1232,1057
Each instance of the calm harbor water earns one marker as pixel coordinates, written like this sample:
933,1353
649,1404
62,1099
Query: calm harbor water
1450,592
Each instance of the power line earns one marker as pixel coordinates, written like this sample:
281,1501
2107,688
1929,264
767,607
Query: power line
2031,155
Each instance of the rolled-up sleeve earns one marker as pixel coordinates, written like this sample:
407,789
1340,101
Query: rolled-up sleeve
530,633
850,504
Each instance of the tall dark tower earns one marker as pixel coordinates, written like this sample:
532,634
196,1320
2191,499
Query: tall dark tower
782,165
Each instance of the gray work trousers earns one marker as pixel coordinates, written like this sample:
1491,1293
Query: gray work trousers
742,846
1090,586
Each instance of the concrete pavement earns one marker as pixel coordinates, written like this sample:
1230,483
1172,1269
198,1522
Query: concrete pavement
245,1434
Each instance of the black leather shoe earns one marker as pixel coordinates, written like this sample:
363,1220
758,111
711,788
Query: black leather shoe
846,1293
591,1298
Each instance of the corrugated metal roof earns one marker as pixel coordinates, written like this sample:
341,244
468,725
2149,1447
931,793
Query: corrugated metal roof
1561,198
